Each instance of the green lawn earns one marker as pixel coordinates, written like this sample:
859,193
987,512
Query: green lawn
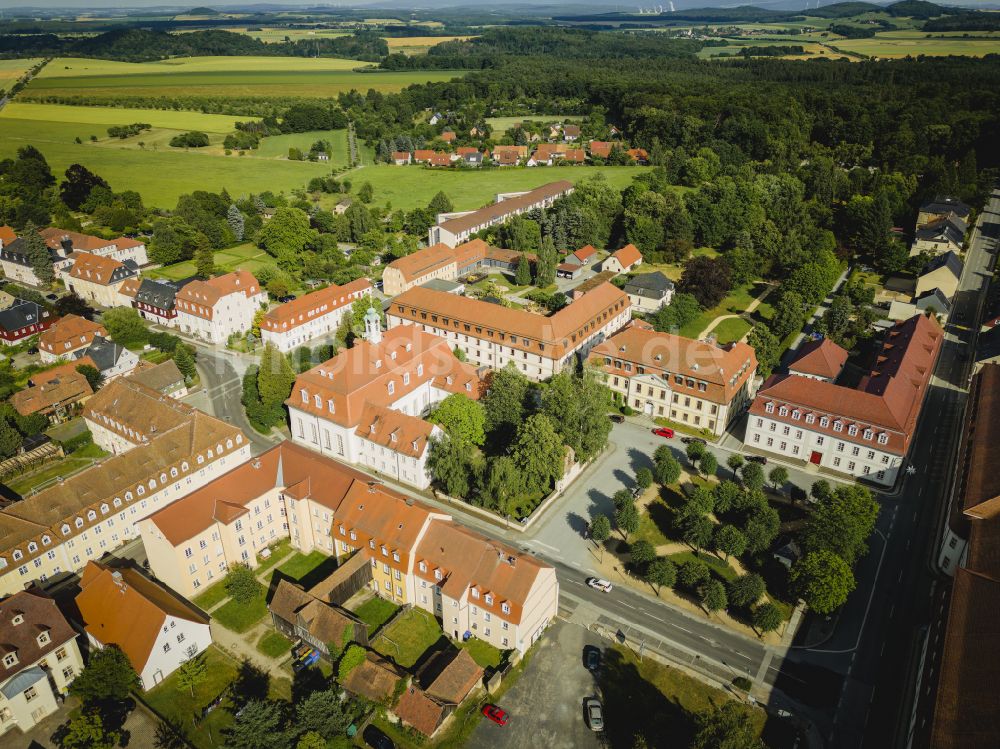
239,617
62,468
482,652
299,565
731,330
246,256
276,146
212,595
11,70
278,550
100,118
715,564
653,524
408,637
413,186
375,612
735,303
176,703
274,645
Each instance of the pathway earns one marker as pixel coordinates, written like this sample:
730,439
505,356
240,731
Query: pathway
352,145
745,313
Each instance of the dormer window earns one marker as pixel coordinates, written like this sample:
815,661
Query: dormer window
65,529
505,608
475,594
32,547
10,660
810,418
824,421
318,401
437,574
91,515
395,556
883,438
489,599
46,540
392,387
18,619
852,430
78,522
406,378
838,426
341,531
305,396
769,408
868,434
329,406
420,370
423,566
43,638
796,414
782,411
18,555
385,551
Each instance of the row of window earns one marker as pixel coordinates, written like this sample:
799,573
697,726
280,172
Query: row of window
824,421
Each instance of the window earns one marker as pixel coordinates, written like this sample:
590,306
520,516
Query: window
423,567
838,426
824,421
819,440
29,694
769,408
10,660
489,599
392,387
850,466
810,418
505,608
43,638
852,430
68,673
437,574
166,647
883,438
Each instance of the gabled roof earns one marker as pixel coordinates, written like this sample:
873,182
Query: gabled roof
55,387
40,614
454,678
628,255
506,207
58,239
933,299
822,358
70,333
21,314
422,262
200,297
948,260
375,678
421,711
322,620
163,377
124,608
655,282
105,353
7,235
299,311
944,204
395,430
585,253
101,270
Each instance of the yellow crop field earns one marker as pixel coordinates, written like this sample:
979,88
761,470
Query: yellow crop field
106,116
421,41
11,70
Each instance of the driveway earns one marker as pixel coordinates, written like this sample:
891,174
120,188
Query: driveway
546,704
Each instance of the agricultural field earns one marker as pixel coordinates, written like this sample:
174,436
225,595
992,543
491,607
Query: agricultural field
811,49
219,77
418,45
901,44
500,124
409,187
276,146
274,34
101,118
11,70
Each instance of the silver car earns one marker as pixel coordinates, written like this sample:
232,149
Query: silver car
595,714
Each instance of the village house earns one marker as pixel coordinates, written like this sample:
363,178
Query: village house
413,554
40,659
157,630
366,404
121,249
423,155
312,315
111,359
820,360
582,257
153,298
662,375
301,615
493,336
400,158
165,450
943,272
164,378
23,319
627,259
458,227
941,207
505,158
601,149
98,279
67,338
860,432
571,133
946,234
7,235
215,309
56,393
648,292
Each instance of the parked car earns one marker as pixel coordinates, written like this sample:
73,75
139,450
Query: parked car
666,432
595,714
692,440
33,350
286,298
52,297
616,418
599,584
592,658
757,459
496,714
376,739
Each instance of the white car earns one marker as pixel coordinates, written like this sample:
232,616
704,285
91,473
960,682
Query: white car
599,584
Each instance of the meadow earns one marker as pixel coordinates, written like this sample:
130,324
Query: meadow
103,117
219,77
11,70
501,124
409,187
901,44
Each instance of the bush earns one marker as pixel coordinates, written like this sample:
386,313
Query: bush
742,682
242,584
77,442
193,139
353,657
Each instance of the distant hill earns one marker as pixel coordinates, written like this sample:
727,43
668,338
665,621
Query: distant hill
203,11
919,9
844,10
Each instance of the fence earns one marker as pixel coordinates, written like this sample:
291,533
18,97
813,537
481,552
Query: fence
27,461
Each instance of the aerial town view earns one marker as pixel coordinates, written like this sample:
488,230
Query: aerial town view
532,375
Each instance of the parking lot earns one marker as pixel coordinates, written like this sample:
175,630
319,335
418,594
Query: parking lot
546,704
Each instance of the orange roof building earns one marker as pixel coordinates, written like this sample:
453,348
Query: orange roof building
98,278
862,431
493,336
365,404
459,228
663,375
446,263
67,336
414,554
311,316
154,627
56,393
627,259
215,309
820,360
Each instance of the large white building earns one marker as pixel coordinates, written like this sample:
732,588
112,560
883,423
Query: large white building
155,629
312,316
493,336
453,229
366,404
415,554
860,432
215,309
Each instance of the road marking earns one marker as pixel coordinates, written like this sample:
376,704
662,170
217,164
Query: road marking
677,626
577,582
547,546
627,605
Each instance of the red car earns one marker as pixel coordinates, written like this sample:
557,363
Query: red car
664,432
494,713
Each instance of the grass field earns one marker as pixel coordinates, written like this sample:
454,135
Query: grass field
406,639
731,330
239,617
103,117
375,612
914,43
276,146
500,124
11,70
408,187
220,77
242,257
274,644
418,45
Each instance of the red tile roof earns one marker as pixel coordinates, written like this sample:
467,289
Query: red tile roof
628,255
40,615
7,235
94,268
822,358
53,238
585,253
395,430
601,148
70,333
415,708
299,311
200,297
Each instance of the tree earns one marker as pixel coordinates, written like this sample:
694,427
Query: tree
461,417
192,672
746,590
713,596
753,476
108,678
621,498
766,618
727,494
545,268
449,462
504,402
184,359
627,520
125,326
843,523
823,580
778,476
286,235
668,469
730,541
692,574
71,304
643,478
642,553
538,453
726,727
35,251
522,276
204,260
735,463
578,407
501,483
237,224
259,724
767,347
10,440
761,529
600,529
694,451
706,279
708,464
322,713
241,583
86,730
366,192
789,314
440,203
311,740
353,657
697,531
93,375
76,188
661,572
274,378
683,309
821,490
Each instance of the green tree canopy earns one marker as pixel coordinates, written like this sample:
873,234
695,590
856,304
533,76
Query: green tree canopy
746,590
286,235
259,724
843,523
661,572
627,519
767,618
823,580
108,678
461,417
713,596
450,463
726,727
538,453
600,528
